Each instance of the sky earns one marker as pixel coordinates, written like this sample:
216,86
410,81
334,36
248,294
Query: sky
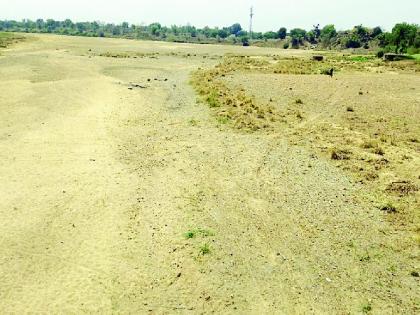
269,14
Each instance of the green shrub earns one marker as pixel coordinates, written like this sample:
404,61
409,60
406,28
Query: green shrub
413,51
213,99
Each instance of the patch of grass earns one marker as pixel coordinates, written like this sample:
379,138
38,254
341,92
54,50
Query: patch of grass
205,249
7,39
235,106
365,258
367,308
402,188
212,99
361,58
193,122
129,55
379,151
340,154
369,144
198,232
190,234
298,101
223,120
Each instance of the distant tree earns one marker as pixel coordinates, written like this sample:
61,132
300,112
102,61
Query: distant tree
242,33
352,41
245,41
116,31
328,33
298,36
154,29
417,39
404,36
376,31
50,25
257,35
311,36
270,35
235,29
223,33
124,27
362,32
282,33
68,24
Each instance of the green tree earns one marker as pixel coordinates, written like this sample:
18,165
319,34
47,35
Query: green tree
328,33
235,29
404,36
282,33
376,31
298,36
311,36
270,35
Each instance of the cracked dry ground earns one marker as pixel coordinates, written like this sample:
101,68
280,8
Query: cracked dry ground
101,179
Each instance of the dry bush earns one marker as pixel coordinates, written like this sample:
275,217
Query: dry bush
340,154
402,188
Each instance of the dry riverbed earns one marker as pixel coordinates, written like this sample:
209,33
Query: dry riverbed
121,192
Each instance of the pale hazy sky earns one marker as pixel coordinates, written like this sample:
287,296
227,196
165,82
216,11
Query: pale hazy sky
269,14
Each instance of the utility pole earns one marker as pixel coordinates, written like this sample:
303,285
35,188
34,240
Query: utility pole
251,16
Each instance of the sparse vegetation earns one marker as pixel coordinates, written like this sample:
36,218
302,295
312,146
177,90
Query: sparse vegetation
308,164
198,232
367,308
205,249
7,39
340,154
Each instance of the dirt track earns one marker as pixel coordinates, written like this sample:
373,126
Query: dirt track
101,180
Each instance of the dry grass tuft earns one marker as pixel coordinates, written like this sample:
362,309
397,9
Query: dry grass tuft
402,188
340,154
232,106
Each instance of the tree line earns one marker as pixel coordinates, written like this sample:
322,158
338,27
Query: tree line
404,37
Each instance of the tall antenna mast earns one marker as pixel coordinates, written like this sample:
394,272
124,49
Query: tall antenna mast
251,16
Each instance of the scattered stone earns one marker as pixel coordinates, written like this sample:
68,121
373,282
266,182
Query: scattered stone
133,85
395,57
318,58
389,208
